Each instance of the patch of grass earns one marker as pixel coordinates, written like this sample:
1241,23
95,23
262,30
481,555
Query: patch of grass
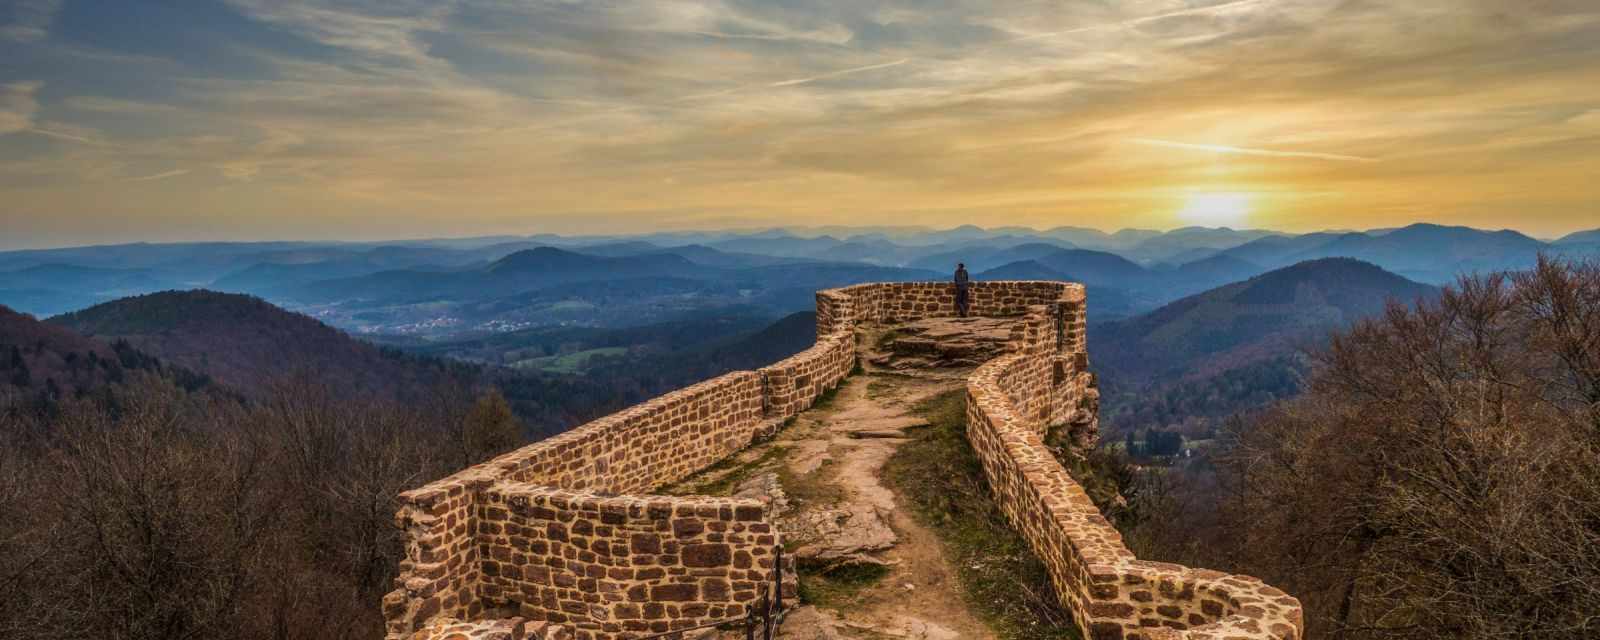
826,399
838,586
811,488
879,387
568,363
1003,583
721,478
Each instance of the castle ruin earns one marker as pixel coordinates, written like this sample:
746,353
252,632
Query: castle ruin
562,539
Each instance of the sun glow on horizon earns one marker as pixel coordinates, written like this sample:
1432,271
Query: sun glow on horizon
1216,209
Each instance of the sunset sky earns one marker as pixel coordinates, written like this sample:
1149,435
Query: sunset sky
363,119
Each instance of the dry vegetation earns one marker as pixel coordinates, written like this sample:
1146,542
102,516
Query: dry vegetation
159,513
1440,478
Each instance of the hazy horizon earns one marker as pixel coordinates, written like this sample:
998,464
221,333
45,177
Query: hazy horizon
245,119
839,231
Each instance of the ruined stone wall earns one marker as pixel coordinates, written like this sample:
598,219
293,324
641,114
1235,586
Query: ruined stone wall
558,533
793,384
890,302
647,445
536,533
438,577
621,564
1011,402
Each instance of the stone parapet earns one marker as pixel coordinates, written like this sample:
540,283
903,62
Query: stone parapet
562,537
1011,402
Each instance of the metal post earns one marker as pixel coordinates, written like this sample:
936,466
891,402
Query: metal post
766,619
777,577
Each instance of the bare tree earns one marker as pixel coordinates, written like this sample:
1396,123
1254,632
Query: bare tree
1441,477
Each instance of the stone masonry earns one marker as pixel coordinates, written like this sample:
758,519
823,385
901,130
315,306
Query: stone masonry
561,539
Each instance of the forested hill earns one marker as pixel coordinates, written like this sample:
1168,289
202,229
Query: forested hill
246,343
43,362
1231,324
1236,346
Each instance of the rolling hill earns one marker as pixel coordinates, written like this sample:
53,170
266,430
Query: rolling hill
1591,236
1229,323
54,287
1424,252
1097,268
521,271
982,257
1104,303
1210,272
1179,242
245,343
42,361
1238,345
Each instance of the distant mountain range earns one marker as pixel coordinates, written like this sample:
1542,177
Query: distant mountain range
498,283
1210,326
240,346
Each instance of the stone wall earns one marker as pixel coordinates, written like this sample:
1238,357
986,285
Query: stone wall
793,384
636,564
560,533
1011,402
558,537
890,302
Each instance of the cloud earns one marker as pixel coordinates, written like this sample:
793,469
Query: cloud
386,29
18,106
830,110
159,176
1270,153
29,20
61,135
836,74
1134,22
114,105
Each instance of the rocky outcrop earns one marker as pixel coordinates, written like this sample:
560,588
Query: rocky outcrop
939,343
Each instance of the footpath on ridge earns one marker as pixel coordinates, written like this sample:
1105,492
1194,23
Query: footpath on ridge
668,515
824,475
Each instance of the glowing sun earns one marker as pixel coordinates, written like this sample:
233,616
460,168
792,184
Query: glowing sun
1216,209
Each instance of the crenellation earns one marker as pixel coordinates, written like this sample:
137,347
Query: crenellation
560,539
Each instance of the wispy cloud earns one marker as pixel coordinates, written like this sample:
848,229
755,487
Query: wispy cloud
115,105
18,105
836,74
159,176
828,110
1248,151
29,20
1134,22
61,135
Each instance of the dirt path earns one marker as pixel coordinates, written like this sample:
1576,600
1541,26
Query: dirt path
843,514
869,570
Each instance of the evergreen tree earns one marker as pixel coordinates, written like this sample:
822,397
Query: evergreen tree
490,427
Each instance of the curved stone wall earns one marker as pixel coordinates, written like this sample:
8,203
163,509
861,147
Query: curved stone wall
1011,403
1111,593
560,532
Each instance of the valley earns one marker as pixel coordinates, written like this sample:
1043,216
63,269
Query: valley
480,345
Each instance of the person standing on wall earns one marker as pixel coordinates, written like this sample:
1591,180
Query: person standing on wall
963,283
